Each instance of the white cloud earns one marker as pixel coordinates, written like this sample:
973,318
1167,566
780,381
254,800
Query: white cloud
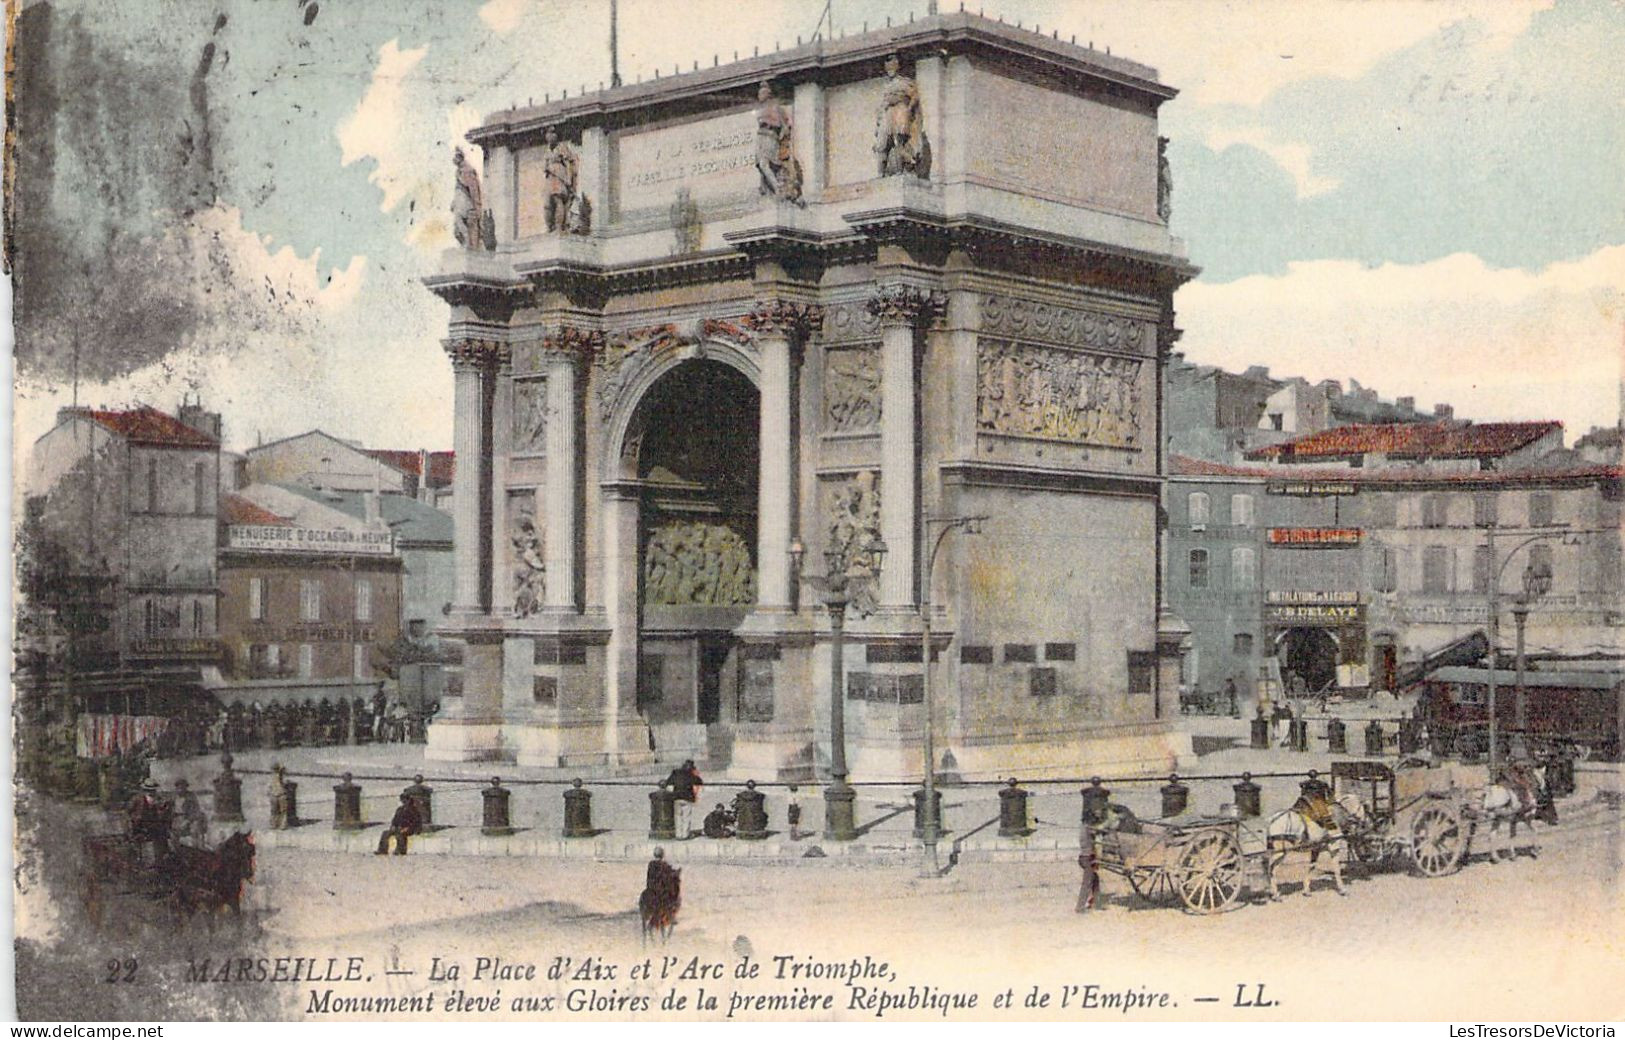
1291,156
373,130
503,15
1497,343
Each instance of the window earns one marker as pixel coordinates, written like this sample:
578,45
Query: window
1540,509
1142,666
1435,511
152,485
360,661
1482,562
1060,651
307,660
1241,567
258,663
197,617
1436,560
200,498
273,656
1241,510
1198,568
1197,508
1042,682
1540,559
150,620
363,601
1387,576
1485,509
1022,653
310,599
973,654
256,599
1275,420
1243,644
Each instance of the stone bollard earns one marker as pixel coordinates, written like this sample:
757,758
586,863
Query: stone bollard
1175,796
496,821
750,816
1337,737
1410,736
422,796
1247,797
347,806
1095,799
1373,737
663,815
1261,733
228,793
1298,734
1013,822
919,812
291,792
577,811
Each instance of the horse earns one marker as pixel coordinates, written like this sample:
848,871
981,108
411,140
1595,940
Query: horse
212,879
659,903
1501,802
1325,840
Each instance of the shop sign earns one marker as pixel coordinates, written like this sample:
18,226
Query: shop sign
1314,537
1310,488
1310,596
271,538
1313,614
176,647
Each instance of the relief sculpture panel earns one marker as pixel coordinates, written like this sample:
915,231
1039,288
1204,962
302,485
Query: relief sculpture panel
1017,318
529,566
852,389
852,529
694,563
529,416
1059,395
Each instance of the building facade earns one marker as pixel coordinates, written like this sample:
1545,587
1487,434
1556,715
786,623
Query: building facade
822,300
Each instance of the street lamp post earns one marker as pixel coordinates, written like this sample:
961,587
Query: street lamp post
840,821
930,825
1537,581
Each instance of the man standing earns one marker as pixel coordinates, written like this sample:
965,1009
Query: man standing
662,894
466,204
685,782
281,799
194,825
150,818
403,825
561,168
899,138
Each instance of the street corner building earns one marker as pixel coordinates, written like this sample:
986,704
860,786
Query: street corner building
723,335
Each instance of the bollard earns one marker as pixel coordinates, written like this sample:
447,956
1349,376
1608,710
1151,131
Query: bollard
1410,736
1095,799
291,791
1298,734
750,817
1314,786
577,811
423,796
1373,737
347,806
1175,796
228,793
1013,821
919,812
1247,800
496,821
662,815
1337,738
1261,734
1560,775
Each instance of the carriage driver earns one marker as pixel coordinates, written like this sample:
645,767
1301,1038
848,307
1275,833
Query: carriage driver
149,822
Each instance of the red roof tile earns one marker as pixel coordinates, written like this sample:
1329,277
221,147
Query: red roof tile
147,425
440,463
1183,466
235,509
1412,440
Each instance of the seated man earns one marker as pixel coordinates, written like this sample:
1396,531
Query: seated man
405,823
719,822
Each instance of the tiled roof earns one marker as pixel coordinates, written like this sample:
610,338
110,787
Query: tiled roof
147,425
235,509
411,520
1412,440
441,463
1184,466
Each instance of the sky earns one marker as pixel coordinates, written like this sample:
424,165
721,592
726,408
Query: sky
1425,197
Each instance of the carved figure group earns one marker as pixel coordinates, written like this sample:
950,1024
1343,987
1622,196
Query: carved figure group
775,155
854,531
529,568
566,207
698,564
852,389
1057,394
529,414
900,142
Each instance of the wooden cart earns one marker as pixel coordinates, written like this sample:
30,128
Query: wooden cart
1209,862
1416,812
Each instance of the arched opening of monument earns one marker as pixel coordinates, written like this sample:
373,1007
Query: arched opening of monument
697,448
1311,655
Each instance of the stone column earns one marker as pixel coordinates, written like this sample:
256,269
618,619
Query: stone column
566,351
780,327
469,366
620,508
501,448
900,308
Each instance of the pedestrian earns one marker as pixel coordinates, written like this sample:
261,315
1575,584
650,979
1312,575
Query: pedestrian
1230,695
685,783
149,821
719,823
792,813
1089,863
281,799
403,825
194,824
662,896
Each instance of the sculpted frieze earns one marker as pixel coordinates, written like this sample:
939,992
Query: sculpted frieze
694,563
529,566
852,389
1017,318
529,415
848,321
625,354
1059,395
852,529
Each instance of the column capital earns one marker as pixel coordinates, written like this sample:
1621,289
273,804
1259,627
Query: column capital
573,341
786,318
906,304
469,352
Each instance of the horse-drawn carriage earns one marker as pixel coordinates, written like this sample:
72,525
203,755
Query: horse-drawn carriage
1207,862
1417,811
142,882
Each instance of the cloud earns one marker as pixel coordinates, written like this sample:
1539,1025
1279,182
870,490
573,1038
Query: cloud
503,16
372,131
1291,156
1498,343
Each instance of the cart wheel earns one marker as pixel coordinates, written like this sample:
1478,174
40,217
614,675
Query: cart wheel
1210,873
1437,840
1152,884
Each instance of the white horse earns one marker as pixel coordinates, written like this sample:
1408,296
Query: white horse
1500,803
1292,835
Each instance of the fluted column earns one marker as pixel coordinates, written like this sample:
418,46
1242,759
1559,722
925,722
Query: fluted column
566,350
900,308
501,447
780,328
470,363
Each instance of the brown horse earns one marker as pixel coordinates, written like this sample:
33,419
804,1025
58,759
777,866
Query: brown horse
212,879
660,901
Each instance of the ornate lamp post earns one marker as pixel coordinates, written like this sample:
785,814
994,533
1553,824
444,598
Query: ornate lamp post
1537,581
840,823
930,826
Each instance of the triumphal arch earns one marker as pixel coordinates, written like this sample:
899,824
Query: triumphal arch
719,335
